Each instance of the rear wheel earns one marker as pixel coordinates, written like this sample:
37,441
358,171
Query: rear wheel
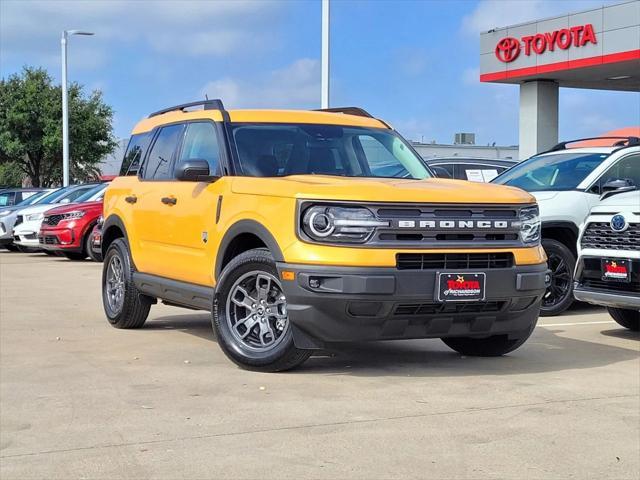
627,318
493,346
250,315
124,305
559,294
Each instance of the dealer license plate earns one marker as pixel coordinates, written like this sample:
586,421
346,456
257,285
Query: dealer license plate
616,270
461,287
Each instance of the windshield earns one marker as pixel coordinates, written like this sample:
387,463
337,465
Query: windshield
562,171
277,150
87,196
33,198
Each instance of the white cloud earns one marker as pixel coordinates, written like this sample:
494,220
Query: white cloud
294,86
195,28
490,14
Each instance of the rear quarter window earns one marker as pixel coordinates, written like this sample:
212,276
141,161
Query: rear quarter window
134,154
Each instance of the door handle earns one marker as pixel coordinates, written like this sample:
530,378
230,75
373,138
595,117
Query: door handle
169,200
131,199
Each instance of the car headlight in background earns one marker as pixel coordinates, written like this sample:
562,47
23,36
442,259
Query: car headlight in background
34,217
336,224
73,215
530,227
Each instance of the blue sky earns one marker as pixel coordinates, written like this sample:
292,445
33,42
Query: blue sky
413,63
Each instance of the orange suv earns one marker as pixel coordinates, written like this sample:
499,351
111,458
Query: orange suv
302,228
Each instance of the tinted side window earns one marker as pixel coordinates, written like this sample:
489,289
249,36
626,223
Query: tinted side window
625,168
159,162
201,143
134,154
6,199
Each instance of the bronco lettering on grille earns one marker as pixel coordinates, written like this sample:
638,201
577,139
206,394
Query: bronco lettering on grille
456,224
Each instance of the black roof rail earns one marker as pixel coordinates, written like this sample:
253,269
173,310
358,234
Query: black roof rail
629,141
214,104
360,112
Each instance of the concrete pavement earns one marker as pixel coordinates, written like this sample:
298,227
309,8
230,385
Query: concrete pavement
80,399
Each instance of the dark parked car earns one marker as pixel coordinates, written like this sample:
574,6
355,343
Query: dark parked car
473,169
13,196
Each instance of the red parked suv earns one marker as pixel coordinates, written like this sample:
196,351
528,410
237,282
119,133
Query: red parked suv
67,229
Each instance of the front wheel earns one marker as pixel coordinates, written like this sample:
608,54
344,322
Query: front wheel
626,318
562,263
250,315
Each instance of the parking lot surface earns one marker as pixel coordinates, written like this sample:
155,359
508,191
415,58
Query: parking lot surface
80,399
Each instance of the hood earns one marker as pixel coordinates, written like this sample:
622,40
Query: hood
71,207
37,209
627,200
544,196
432,190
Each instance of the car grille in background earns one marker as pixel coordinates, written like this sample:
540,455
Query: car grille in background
19,220
49,240
458,261
52,220
600,235
410,309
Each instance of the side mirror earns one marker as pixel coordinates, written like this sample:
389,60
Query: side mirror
441,172
617,185
196,170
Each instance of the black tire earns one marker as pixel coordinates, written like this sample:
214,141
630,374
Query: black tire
283,355
134,308
93,256
76,256
627,318
493,346
562,263
11,247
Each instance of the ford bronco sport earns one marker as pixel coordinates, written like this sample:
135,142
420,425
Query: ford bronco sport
302,228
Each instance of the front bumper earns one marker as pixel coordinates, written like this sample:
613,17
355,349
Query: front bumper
64,239
607,299
353,304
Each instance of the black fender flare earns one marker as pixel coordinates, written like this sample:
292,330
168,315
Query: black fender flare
247,226
112,221
572,227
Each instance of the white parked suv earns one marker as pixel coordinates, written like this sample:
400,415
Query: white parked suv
27,222
608,268
567,182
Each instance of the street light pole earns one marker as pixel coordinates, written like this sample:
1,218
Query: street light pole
324,96
65,104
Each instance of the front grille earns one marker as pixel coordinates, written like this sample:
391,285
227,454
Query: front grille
600,235
48,240
631,287
19,220
52,220
442,225
457,261
414,309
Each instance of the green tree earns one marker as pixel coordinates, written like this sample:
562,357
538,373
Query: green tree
31,128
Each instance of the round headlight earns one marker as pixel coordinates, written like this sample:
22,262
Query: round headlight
321,224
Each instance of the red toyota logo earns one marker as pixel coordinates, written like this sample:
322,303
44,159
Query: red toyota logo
508,49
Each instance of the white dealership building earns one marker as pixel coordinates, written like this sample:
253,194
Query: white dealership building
593,49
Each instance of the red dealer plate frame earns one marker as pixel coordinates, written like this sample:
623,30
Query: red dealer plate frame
445,295
619,262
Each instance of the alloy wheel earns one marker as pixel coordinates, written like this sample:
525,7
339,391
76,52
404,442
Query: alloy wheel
257,311
561,279
115,284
